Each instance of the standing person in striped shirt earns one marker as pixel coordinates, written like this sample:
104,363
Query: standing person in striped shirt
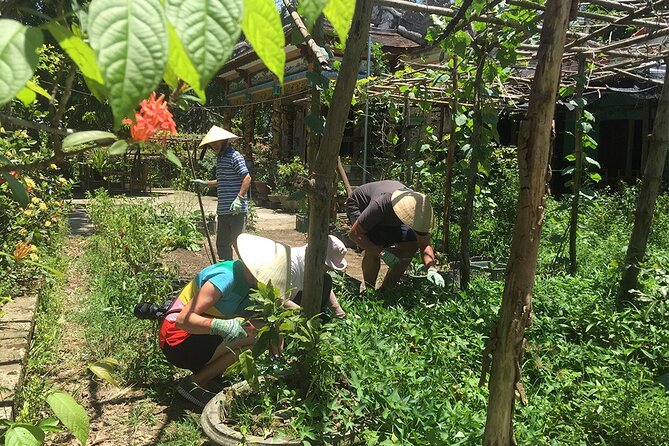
232,185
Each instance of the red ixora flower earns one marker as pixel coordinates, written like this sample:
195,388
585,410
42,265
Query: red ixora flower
153,118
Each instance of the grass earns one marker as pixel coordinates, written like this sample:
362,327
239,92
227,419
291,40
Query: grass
404,367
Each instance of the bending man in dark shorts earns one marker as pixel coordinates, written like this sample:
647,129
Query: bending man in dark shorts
391,222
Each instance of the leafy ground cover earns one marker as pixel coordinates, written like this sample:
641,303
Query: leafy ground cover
404,368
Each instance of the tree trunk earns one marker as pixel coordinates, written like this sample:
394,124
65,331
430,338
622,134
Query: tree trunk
325,159
508,339
468,211
650,186
578,165
313,139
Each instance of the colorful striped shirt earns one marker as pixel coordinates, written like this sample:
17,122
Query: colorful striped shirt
228,277
230,171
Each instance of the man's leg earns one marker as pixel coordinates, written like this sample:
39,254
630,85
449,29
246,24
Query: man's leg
237,226
224,356
223,237
370,269
405,252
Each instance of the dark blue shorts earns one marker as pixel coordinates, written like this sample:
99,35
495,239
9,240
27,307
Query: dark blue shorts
387,235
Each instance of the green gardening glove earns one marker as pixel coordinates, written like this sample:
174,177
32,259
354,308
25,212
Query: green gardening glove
389,258
199,182
228,329
434,277
236,206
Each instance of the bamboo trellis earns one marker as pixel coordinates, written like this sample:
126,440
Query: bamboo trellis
591,36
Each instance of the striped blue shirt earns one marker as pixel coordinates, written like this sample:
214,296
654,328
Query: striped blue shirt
230,171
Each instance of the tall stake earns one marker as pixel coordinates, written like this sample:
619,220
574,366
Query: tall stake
212,253
578,164
322,169
507,343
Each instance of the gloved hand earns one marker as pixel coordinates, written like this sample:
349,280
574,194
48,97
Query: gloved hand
389,258
434,277
199,182
228,329
236,206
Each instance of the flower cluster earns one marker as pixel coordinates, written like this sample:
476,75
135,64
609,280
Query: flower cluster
153,119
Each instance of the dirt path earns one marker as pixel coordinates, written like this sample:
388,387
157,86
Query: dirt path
118,416
129,416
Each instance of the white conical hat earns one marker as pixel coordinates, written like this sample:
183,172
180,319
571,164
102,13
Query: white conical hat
216,133
413,208
266,259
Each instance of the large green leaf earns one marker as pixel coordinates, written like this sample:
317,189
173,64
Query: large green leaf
340,14
180,66
262,27
129,38
18,57
118,148
26,95
76,139
70,413
310,10
170,155
208,29
18,189
82,55
103,369
24,435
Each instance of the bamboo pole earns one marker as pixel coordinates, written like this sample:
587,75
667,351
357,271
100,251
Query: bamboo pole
578,165
316,50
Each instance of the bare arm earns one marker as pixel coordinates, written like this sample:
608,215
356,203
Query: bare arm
190,318
359,236
246,183
427,252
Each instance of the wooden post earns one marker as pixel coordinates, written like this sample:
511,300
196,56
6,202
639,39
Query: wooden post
324,160
650,186
578,164
450,160
507,342
467,218
275,144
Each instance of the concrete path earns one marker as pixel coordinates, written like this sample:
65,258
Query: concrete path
274,224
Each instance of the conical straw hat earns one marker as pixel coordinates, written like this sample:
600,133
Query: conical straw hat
216,133
413,208
266,259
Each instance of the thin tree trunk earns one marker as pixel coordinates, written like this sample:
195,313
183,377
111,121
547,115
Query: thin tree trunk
508,339
313,140
650,186
578,165
325,159
468,211
450,160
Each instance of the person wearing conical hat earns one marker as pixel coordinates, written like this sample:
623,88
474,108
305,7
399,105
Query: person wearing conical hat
207,326
271,261
232,185
390,222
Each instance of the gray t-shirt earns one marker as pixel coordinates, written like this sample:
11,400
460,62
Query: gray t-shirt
371,204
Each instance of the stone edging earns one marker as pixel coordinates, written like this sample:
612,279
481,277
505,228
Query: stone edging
16,330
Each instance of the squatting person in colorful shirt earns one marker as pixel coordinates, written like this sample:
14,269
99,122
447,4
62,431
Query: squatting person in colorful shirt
232,184
391,222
